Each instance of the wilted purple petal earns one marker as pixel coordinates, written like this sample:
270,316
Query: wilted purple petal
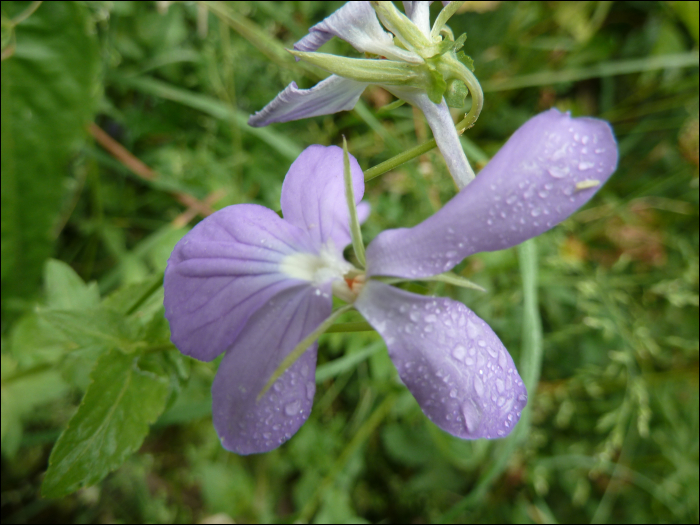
313,194
419,14
539,178
248,426
454,365
222,272
356,23
329,96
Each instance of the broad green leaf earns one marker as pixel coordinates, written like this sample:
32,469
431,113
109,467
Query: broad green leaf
49,92
65,290
21,392
110,424
98,327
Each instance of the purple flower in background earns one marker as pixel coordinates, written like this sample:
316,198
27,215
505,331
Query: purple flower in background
249,284
425,66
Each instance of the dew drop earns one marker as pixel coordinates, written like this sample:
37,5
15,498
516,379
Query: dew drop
492,352
499,385
458,352
511,199
292,408
536,212
453,393
472,416
501,401
478,385
585,165
585,139
481,343
469,361
558,172
502,360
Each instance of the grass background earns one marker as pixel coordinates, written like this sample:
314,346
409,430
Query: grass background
612,434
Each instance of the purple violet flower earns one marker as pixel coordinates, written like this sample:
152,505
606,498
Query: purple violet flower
425,66
252,285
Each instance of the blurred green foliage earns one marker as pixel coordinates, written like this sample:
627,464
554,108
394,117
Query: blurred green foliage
612,431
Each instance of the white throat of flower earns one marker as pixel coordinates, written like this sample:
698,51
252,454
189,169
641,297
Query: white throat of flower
325,266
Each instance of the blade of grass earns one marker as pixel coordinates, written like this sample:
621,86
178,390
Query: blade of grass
215,108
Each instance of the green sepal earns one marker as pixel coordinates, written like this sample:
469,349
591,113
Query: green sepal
466,60
456,93
459,43
390,72
437,86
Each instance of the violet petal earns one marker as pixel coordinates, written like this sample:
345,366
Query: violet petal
419,14
529,187
313,194
244,424
357,24
446,136
329,96
454,365
222,272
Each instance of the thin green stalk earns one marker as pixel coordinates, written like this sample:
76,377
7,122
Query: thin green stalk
300,348
355,233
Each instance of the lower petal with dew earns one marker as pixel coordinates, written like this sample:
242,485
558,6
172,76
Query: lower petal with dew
452,362
244,423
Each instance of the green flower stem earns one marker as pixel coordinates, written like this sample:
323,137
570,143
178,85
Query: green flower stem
447,12
457,70
355,233
357,326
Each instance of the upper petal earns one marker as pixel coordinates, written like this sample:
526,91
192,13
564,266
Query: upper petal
245,424
540,177
223,271
419,13
313,194
356,23
329,96
446,136
454,365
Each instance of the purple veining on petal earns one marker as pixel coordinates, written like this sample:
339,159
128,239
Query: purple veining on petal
313,194
244,424
538,179
222,272
329,96
454,365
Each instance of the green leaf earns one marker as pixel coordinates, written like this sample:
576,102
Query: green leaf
437,85
21,393
466,60
92,328
65,290
456,93
49,92
110,424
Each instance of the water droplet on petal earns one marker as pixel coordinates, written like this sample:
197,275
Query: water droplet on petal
472,416
453,393
292,408
536,212
478,386
499,385
558,172
458,352
585,165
